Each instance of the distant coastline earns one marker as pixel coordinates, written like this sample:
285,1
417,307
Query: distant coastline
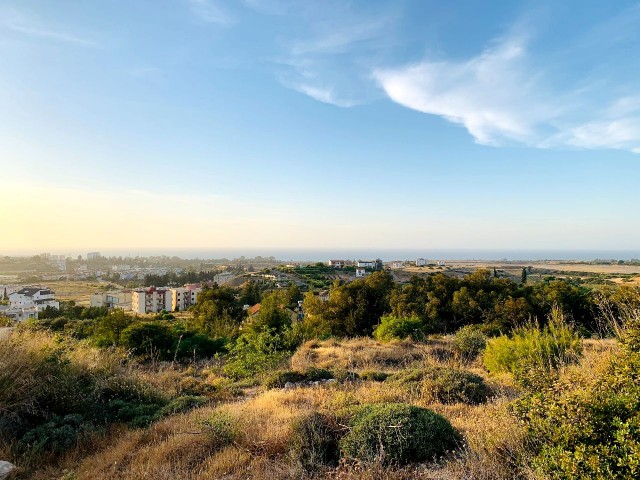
387,254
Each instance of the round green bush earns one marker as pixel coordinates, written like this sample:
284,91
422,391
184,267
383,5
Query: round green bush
280,379
391,328
452,385
468,342
314,441
397,433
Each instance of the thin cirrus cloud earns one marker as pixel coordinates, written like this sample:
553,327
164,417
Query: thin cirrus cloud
502,96
210,11
16,22
332,62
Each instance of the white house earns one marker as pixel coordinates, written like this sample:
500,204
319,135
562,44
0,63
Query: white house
421,262
18,314
360,272
337,263
366,263
37,297
396,264
223,278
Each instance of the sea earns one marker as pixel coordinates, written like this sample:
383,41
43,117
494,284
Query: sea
385,254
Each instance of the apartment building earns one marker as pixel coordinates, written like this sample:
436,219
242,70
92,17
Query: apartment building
183,298
151,300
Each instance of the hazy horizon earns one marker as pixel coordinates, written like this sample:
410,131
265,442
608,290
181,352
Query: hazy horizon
317,254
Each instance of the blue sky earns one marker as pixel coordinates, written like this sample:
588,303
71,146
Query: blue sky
281,124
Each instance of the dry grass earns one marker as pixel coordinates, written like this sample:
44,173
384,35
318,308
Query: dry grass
184,447
364,353
179,447
80,291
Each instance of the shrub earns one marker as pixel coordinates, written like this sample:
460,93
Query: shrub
533,354
255,353
313,374
468,342
346,376
57,435
314,441
374,375
182,404
444,384
452,385
221,429
279,379
397,433
391,328
581,430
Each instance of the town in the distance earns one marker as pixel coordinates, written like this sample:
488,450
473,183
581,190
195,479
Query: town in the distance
150,285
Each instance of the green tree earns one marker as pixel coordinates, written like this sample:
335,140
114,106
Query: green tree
523,277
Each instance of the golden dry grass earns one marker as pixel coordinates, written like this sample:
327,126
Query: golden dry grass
364,353
80,291
185,447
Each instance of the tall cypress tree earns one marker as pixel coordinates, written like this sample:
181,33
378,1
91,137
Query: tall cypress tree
523,279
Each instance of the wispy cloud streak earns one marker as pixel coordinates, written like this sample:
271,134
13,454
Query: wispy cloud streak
15,22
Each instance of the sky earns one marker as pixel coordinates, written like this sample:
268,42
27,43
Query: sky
274,124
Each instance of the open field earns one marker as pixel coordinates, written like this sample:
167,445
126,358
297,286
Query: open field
79,292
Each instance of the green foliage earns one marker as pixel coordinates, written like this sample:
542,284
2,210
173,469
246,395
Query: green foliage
52,389
281,378
314,441
533,354
182,404
452,385
254,353
353,309
57,435
397,433
592,430
468,342
221,429
374,376
443,384
153,340
391,328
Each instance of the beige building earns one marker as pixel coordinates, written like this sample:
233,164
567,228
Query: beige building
120,300
183,298
151,300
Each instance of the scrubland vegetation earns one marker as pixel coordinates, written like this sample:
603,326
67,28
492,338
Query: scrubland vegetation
479,378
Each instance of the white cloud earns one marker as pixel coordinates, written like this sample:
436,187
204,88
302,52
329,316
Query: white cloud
210,12
501,96
18,23
324,95
330,64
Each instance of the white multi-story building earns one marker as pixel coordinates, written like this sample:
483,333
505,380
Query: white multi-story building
37,297
421,262
361,272
120,300
396,264
224,277
337,263
93,255
18,314
151,300
366,263
183,298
